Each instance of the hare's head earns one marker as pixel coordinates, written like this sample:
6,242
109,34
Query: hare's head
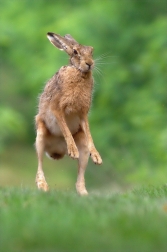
80,56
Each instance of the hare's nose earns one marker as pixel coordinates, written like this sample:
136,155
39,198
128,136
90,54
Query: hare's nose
89,65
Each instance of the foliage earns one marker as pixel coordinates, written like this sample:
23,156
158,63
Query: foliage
128,116
133,221
11,125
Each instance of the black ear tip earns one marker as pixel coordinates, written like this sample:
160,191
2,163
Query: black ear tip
50,34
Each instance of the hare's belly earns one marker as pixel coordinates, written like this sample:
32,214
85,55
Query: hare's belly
72,120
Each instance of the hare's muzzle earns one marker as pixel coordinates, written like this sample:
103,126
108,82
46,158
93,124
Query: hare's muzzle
89,65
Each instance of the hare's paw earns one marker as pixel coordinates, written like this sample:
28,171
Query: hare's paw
73,151
96,157
81,190
41,183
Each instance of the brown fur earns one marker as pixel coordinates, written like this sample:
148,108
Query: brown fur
62,123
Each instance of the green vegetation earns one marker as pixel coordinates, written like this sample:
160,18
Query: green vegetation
62,221
128,117
128,123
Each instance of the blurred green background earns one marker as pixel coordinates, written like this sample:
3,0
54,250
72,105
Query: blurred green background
128,117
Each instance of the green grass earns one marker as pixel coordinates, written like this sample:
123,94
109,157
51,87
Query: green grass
62,221
109,219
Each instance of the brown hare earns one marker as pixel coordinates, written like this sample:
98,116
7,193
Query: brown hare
62,120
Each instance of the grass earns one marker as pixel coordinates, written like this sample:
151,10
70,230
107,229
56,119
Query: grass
109,219
61,221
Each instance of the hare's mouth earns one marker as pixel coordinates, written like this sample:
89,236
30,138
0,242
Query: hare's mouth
86,67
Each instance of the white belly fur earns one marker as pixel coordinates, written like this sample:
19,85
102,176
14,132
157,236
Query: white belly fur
72,120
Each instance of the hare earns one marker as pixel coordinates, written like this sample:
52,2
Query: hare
62,121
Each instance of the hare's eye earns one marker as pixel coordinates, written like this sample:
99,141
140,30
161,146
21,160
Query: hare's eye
75,52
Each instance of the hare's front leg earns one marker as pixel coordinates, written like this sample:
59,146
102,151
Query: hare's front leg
40,143
93,152
81,142
71,146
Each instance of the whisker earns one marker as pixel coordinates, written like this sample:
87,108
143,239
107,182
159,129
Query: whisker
98,71
103,63
106,57
105,60
104,54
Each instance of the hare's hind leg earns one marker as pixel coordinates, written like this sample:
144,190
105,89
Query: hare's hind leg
81,142
40,145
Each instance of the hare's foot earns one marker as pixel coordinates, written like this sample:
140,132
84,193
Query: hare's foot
96,157
81,190
41,183
73,151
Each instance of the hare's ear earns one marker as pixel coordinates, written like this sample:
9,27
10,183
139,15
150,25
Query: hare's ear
71,39
60,42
